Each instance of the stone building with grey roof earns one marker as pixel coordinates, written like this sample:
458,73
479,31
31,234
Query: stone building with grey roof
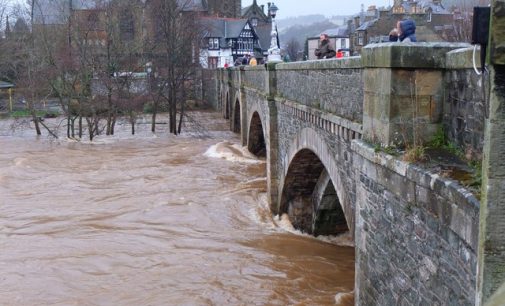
433,22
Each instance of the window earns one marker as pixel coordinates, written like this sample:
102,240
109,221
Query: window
93,21
361,38
343,43
213,43
212,62
127,26
254,22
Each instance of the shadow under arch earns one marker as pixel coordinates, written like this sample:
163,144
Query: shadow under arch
236,117
227,107
312,194
256,138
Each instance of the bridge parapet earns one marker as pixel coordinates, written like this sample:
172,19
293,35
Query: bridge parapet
331,86
404,91
256,77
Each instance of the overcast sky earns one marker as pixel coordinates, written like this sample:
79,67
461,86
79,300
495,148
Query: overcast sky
293,8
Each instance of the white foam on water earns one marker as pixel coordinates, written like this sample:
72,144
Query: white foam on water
285,224
232,152
20,161
344,298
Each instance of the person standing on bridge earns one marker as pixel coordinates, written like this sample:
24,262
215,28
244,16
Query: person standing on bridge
407,31
324,50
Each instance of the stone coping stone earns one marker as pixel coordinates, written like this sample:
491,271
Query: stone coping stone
353,62
462,58
448,188
408,55
254,68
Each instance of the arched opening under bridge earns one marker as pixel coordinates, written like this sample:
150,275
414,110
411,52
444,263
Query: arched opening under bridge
309,197
256,138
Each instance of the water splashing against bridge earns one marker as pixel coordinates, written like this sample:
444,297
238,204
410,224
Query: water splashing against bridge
153,221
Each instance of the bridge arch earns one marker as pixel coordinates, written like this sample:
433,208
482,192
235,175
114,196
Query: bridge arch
227,106
312,191
256,143
236,123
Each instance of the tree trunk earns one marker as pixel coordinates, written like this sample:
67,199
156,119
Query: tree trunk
68,125
113,123
109,114
80,126
36,121
155,111
183,102
72,127
34,118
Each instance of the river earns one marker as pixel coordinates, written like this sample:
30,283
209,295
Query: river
153,220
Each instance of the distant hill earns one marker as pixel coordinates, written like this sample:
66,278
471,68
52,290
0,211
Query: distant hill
283,24
301,32
464,4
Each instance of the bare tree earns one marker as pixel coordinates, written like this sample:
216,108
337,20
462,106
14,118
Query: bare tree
175,51
293,49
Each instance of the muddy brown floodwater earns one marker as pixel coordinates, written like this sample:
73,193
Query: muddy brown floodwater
152,220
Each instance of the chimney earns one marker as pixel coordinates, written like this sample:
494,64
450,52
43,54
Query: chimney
263,8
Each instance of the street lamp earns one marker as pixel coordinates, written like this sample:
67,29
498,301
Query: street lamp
274,53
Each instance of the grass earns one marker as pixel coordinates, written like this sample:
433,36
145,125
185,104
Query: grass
415,154
26,113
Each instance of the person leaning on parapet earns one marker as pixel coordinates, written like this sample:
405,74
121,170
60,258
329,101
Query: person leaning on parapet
253,61
324,50
407,31
245,59
393,35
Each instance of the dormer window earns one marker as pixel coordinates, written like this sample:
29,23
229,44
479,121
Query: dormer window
213,43
254,22
127,26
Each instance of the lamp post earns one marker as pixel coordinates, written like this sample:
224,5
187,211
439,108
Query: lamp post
274,53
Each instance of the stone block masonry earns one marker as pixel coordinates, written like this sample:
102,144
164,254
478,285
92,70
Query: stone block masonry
416,234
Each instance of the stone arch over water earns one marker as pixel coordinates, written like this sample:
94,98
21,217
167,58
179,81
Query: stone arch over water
236,123
256,137
312,191
227,106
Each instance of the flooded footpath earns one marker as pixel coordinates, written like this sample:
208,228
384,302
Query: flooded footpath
153,220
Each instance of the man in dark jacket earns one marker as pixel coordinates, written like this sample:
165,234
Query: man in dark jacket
324,50
407,31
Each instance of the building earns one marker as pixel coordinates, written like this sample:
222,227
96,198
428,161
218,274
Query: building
6,93
433,22
262,24
228,39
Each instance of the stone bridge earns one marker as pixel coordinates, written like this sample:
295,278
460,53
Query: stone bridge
321,124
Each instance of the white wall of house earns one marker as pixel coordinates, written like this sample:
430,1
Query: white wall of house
222,56
336,43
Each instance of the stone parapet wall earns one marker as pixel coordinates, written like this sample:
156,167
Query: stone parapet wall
333,86
255,77
464,107
417,234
